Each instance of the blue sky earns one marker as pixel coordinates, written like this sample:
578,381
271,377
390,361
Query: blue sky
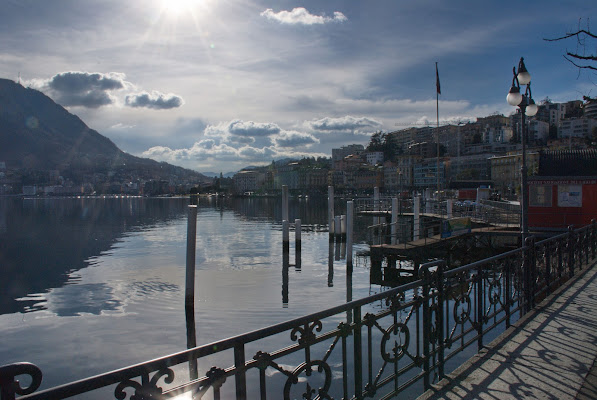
219,85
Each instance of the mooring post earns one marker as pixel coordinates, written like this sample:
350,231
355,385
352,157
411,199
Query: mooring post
331,211
285,203
337,227
285,237
349,233
416,223
394,219
191,246
343,227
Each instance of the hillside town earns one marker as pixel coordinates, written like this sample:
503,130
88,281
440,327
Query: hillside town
483,153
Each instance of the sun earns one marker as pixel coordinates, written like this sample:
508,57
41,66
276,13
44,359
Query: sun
178,8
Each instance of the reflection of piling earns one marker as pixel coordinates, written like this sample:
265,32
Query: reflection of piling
331,264
285,265
297,244
449,206
331,211
297,234
191,245
349,233
191,339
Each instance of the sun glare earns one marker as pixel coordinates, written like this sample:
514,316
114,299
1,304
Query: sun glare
178,8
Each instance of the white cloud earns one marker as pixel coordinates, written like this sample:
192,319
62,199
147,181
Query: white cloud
301,16
252,129
346,123
294,139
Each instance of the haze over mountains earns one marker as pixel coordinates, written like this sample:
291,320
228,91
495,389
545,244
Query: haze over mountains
38,134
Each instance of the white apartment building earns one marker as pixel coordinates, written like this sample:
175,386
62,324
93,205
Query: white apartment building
345,151
374,157
576,127
248,181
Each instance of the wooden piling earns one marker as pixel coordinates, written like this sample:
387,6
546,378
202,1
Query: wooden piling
191,247
331,211
285,203
349,233
285,236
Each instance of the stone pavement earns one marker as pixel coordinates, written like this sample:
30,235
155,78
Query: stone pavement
549,354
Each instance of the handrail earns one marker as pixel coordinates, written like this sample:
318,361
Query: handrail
428,321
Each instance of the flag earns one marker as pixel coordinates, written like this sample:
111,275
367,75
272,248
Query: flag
439,90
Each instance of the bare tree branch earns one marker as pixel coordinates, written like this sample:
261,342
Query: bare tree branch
580,66
579,57
569,35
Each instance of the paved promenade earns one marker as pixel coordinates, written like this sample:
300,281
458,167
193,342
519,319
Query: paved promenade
549,354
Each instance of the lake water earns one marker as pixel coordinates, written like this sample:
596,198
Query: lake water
89,285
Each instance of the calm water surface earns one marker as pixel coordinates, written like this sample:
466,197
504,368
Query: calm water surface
91,285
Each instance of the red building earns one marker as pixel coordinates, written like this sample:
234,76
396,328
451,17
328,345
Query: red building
564,192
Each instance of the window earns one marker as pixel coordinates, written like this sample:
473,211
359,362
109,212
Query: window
569,195
540,195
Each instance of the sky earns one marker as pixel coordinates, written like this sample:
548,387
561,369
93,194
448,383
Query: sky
217,85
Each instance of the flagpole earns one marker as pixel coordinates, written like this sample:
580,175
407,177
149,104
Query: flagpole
437,92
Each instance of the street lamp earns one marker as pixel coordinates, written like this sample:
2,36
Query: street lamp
527,107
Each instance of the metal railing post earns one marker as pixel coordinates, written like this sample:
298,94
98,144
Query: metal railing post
439,324
358,354
426,326
570,252
240,378
480,307
508,293
548,269
532,267
593,237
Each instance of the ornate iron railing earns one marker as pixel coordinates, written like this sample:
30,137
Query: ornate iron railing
403,339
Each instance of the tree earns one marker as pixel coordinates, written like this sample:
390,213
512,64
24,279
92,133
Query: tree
584,39
375,143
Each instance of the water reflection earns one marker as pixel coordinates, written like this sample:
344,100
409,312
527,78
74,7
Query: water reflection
44,240
116,266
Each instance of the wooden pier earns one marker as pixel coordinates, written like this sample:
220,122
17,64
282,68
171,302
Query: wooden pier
403,260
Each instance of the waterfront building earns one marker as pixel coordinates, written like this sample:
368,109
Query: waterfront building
475,166
425,174
248,181
344,151
288,175
505,170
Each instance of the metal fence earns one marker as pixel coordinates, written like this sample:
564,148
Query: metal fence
402,339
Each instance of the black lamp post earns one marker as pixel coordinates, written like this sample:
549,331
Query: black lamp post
527,106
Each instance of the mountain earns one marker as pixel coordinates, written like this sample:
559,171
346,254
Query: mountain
38,134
